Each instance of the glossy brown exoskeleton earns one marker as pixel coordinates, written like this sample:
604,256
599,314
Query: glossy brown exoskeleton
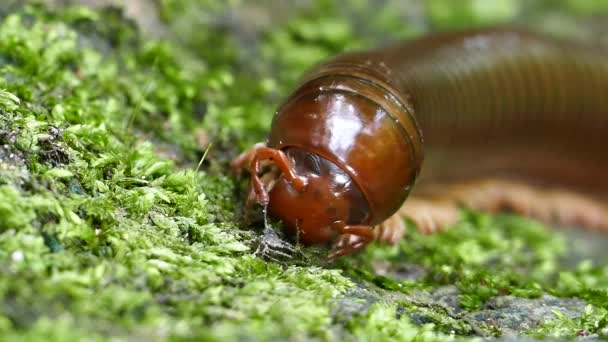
490,103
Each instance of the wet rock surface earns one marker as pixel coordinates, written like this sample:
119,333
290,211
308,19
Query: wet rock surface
512,315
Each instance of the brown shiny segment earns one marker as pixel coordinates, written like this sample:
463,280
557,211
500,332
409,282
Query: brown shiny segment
487,103
341,119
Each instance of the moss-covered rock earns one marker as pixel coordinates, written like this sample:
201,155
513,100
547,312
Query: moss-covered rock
119,218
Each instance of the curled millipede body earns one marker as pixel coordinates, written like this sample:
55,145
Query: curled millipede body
491,103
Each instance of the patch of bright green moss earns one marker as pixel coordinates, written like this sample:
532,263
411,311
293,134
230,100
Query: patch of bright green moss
100,233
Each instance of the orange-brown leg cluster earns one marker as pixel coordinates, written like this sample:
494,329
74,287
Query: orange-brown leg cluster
243,162
437,209
257,157
434,208
351,239
429,216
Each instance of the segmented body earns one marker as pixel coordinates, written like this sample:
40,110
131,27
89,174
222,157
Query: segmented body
496,104
501,103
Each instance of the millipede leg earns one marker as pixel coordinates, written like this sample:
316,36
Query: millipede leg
439,211
254,159
352,238
243,160
429,216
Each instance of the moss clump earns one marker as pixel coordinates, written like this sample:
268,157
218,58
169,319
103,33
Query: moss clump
109,229
101,234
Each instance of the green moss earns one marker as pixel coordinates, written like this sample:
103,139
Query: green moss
594,321
381,324
110,229
99,229
453,14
